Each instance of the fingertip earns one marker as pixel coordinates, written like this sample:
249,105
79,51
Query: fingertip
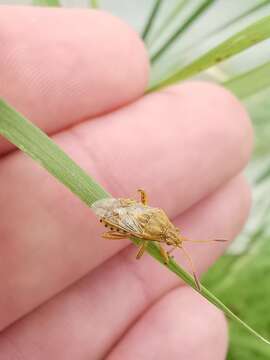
138,68
182,324
198,324
234,125
61,66
243,130
135,73
244,194
120,53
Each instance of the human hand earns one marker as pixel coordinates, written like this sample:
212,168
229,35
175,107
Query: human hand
80,75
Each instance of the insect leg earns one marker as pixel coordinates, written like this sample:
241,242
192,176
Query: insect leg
164,254
143,196
141,249
192,267
162,251
113,235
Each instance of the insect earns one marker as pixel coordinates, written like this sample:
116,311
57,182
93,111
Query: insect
128,217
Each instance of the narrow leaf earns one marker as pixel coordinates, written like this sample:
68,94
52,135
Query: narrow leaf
199,11
226,25
42,149
30,139
263,176
94,4
244,39
151,20
241,16
250,82
168,20
174,267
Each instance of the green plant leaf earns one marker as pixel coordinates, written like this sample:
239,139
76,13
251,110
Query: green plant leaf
190,20
94,4
53,3
225,25
241,16
42,149
250,82
151,20
264,175
176,10
30,139
244,39
245,286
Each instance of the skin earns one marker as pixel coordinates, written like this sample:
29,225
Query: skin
68,294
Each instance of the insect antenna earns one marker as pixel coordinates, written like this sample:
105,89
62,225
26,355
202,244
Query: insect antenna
188,257
182,238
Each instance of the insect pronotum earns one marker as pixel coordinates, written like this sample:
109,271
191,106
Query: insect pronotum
128,217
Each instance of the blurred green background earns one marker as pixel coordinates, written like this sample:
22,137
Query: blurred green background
241,278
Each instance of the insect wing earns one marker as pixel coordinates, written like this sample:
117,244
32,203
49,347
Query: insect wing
113,211
131,217
128,220
106,208
122,213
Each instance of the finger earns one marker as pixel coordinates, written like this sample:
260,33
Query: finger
182,325
68,72
55,233
105,303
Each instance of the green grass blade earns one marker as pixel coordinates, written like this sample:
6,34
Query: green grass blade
250,82
265,175
242,16
53,3
168,20
199,11
34,142
42,149
174,267
94,4
226,25
151,20
244,39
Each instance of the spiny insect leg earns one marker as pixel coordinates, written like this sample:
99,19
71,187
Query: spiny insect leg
143,196
142,249
162,251
164,254
171,250
113,235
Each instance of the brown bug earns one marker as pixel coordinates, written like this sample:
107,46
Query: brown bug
128,217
